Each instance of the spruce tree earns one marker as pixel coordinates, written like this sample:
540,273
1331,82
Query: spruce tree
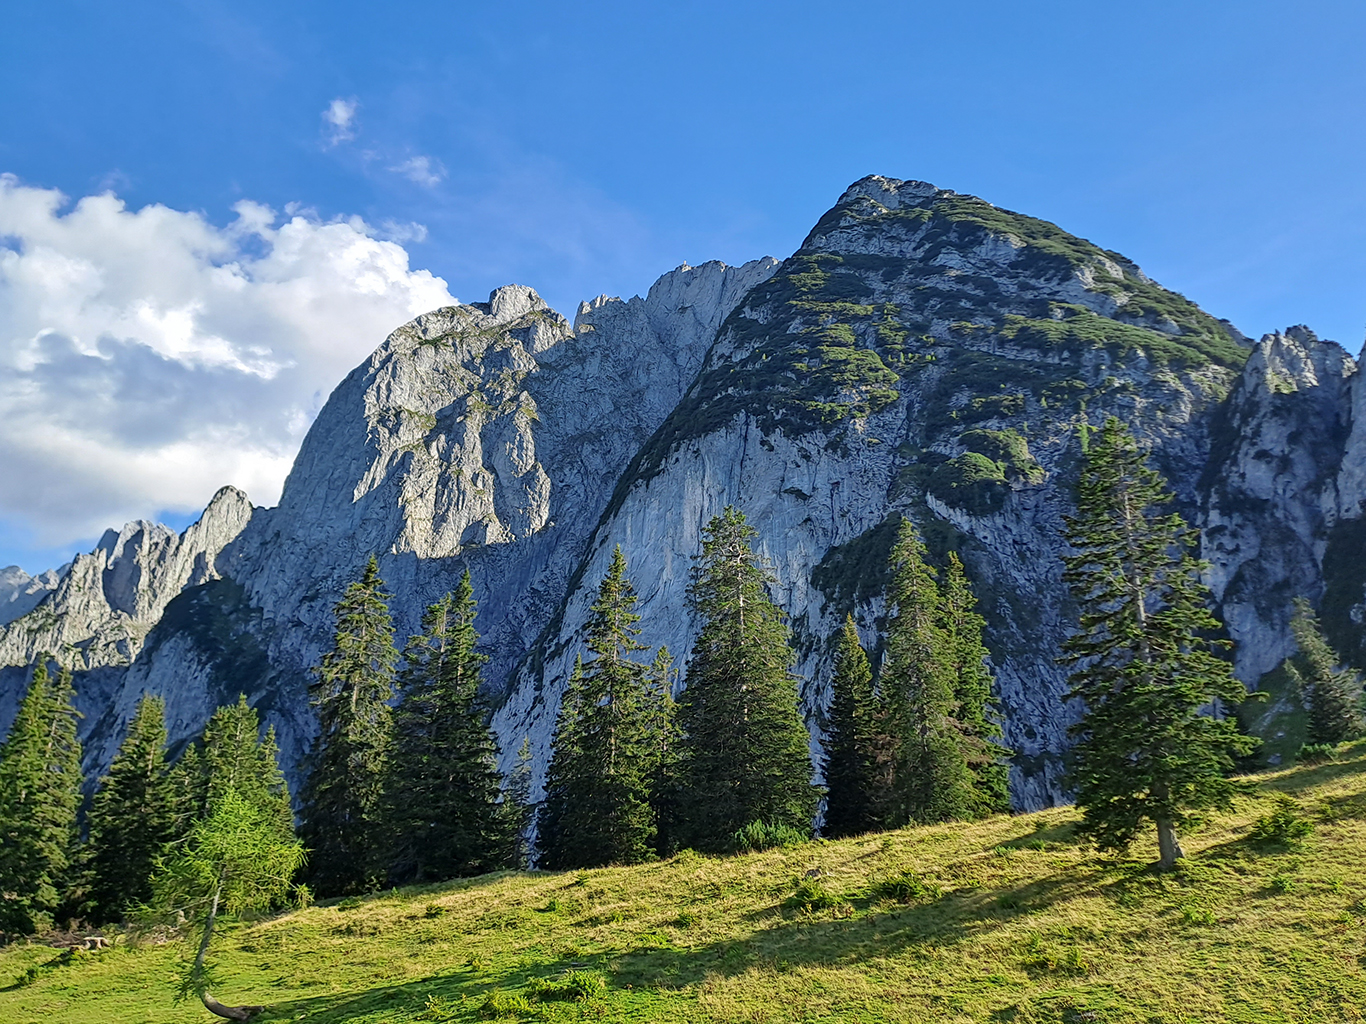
977,711
744,754
40,783
517,807
932,780
442,785
663,715
235,757
598,807
1332,695
1143,666
132,818
854,773
341,814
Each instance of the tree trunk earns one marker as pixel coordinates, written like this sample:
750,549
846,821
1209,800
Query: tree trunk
229,1012
1168,844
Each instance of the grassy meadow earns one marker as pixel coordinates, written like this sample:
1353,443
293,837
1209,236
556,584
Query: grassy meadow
1008,920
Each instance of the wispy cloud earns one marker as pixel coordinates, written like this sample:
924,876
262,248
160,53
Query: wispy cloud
422,170
340,121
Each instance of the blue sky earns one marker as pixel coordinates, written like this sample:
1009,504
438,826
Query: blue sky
587,148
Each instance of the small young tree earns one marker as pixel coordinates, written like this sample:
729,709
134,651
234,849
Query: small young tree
1332,695
663,716
442,785
855,760
132,818
932,780
977,711
518,810
1142,663
236,859
341,819
40,781
598,786
744,754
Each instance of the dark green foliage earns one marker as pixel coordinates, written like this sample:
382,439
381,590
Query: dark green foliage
132,818
341,824
857,571
1282,827
517,806
907,887
744,754
858,755
1332,695
810,894
663,727
1142,663
765,835
972,482
933,779
598,807
977,712
234,757
441,804
40,781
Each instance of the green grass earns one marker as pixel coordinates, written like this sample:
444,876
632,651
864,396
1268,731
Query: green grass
1010,919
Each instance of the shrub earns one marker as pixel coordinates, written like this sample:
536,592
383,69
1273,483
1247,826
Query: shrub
906,887
1317,753
764,835
503,1004
811,895
571,987
1283,825
685,920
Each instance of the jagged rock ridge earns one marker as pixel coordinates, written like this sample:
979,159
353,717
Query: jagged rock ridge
924,353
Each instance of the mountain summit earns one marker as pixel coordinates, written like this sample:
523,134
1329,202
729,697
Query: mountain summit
924,353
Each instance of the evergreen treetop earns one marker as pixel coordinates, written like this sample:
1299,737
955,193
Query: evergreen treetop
132,817
853,772
744,754
341,813
1331,694
442,786
1142,662
40,780
599,783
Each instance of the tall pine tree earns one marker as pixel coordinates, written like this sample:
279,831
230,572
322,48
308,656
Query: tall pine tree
598,808
132,818
744,754
442,786
341,815
40,783
933,780
1331,694
1143,666
977,711
856,760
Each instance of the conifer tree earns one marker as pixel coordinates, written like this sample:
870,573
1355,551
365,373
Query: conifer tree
132,818
341,814
40,781
1332,695
442,785
663,712
598,806
235,757
856,760
1142,664
977,710
517,806
933,780
744,754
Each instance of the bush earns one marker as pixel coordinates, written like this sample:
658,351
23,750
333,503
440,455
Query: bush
1317,753
571,987
764,835
906,887
503,1004
1283,825
811,895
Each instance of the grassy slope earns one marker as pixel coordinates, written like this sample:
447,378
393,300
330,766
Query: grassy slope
1030,926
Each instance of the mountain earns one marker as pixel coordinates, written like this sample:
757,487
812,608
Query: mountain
923,353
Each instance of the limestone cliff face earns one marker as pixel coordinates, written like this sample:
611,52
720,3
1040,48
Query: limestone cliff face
486,436
923,354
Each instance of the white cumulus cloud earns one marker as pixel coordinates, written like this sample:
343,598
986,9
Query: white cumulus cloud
147,357
340,119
